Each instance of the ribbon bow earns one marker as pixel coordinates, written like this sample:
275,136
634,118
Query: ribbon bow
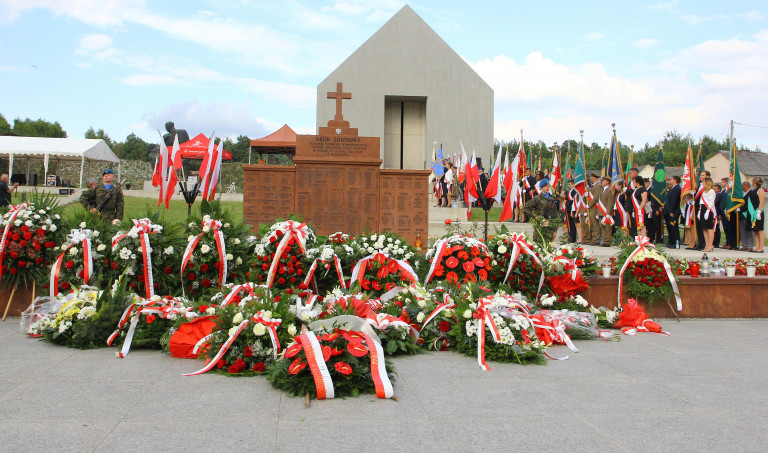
215,226
642,242
521,245
483,315
313,268
74,237
248,287
291,230
143,227
359,271
569,265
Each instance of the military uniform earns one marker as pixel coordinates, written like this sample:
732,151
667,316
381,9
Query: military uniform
112,209
542,206
594,222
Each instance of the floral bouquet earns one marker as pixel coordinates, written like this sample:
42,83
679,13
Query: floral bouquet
564,276
57,326
516,263
605,317
368,246
328,262
30,234
332,363
378,273
248,335
81,252
209,259
279,257
556,302
645,273
459,260
148,255
431,311
498,327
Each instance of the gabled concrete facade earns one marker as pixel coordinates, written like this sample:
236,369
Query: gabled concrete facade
411,89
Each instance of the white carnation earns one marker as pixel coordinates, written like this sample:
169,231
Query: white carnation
206,229
101,248
125,253
581,301
73,251
502,249
95,234
230,257
82,225
210,311
239,261
237,241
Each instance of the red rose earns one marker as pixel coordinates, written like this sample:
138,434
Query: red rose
452,262
191,276
203,267
39,260
22,264
69,264
281,281
447,221
168,270
206,282
343,368
114,266
13,270
259,367
14,255
27,236
444,326
248,352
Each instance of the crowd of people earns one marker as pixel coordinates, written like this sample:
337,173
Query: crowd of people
594,217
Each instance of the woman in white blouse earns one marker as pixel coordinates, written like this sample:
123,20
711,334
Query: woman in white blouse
708,214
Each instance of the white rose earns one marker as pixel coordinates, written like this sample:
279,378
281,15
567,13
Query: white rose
206,229
259,329
205,249
82,225
238,318
17,222
502,249
230,257
101,248
73,251
422,303
304,316
291,330
95,234
237,241
267,315
28,223
53,228
210,311
190,238
226,225
420,317
467,314
232,331
447,313
155,298
239,261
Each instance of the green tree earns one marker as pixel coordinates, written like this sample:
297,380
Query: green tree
239,148
5,127
134,148
38,128
90,133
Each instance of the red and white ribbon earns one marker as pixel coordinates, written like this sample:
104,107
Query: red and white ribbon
221,248
378,367
291,230
142,227
313,268
271,324
642,242
164,308
447,303
607,218
12,213
223,350
710,210
358,273
639,214
641,328
443,247
546,320
622,213
483,315
237,289
74,238
520,245
569,265
314,353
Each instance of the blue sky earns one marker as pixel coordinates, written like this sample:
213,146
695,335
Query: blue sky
247,67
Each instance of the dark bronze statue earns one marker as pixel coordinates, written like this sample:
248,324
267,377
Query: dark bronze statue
172,132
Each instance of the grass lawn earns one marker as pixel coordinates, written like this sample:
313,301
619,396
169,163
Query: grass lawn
136,208
479,215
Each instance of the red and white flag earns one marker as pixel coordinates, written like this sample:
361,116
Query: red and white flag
494,185
206,165
510,183
214,180
470,191
555,175
174,164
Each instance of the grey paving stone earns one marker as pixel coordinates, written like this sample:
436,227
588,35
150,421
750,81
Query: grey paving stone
673,431
61,436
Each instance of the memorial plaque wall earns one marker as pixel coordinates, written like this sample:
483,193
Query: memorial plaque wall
337,185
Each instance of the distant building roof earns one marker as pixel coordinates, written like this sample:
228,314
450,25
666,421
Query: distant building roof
751,163
282,140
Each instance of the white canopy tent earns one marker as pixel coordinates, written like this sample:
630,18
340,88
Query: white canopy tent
68,149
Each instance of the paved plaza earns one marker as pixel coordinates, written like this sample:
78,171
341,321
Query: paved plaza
703,388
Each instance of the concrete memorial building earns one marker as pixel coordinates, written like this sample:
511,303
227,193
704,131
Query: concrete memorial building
411,89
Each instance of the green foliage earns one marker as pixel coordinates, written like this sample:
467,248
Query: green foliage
133,148
99,134
38,128
238,148
5,127
93,332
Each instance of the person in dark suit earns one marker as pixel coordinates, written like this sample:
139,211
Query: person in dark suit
672,213
729,228
718,209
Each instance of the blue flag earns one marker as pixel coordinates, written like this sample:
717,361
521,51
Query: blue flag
437,164
614,162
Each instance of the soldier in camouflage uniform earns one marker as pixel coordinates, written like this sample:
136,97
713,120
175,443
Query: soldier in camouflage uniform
112,211
544,212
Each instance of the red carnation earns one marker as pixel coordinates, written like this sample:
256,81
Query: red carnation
27,236
70,264
248,352
203,267
39,260
114,266
281,281
206,282
168,270
191,276
444,326
448,221
13,270
259,367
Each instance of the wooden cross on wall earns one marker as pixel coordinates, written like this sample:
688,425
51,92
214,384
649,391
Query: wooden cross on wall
339,95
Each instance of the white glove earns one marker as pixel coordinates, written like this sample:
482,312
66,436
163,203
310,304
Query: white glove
759,215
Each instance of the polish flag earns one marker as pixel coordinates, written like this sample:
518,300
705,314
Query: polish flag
160,177
205,166
510,182
555,175
172,178
494,185
216,168
470,195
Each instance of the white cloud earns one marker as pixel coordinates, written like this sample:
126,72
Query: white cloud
102,13
95,42
694,19
296,95
594,36
148,80
227,119
646,43
753,16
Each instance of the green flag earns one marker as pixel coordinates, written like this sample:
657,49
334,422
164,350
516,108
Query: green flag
579,174
735,197
659,184
699,167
